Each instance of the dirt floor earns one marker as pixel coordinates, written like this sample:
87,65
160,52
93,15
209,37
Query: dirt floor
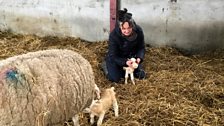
179,90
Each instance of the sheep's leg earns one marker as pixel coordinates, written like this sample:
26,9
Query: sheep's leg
100,120
75,120
92,118
126,77
115,106
132,78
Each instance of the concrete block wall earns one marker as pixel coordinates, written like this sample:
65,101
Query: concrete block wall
88,19
188,24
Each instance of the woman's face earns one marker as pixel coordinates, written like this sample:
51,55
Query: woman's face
126,29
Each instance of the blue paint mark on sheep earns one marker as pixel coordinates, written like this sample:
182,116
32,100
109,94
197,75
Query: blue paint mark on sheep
11,75
14,77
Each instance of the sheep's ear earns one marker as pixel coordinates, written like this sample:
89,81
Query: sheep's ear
112,88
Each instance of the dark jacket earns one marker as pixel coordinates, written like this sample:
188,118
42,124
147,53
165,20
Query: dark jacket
120,49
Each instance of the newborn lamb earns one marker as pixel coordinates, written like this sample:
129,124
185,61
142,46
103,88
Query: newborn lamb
101,106
130,70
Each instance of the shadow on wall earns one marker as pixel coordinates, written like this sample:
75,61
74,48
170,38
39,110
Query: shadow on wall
186,37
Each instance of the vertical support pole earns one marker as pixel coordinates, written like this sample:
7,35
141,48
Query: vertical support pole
114,6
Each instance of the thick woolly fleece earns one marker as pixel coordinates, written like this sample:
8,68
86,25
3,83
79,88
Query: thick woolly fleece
44,88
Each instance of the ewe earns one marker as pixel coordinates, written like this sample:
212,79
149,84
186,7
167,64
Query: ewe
45,88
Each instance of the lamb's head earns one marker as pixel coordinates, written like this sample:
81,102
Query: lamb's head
109,92
134,63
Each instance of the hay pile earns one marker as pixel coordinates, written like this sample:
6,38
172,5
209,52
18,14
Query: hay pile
179,90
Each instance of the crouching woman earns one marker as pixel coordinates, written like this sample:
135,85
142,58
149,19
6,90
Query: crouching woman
125,41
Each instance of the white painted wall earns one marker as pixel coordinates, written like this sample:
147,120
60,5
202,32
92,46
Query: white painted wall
87,19
188,24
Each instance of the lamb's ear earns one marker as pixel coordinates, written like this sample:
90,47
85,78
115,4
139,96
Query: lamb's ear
112,88
133,59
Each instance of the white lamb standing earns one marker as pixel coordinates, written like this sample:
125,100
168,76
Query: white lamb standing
130,70
101,106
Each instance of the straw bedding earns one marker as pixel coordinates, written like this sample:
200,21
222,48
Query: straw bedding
179,90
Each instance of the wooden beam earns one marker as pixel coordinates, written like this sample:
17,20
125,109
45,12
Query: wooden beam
114,6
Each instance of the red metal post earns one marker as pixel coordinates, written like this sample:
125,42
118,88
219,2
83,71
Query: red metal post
113,13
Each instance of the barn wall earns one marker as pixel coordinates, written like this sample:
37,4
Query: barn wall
87,19
188,24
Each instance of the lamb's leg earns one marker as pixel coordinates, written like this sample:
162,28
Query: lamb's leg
100,120
115,106
75,120
126,77
132,78
92,118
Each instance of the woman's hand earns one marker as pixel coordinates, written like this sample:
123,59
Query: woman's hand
138,60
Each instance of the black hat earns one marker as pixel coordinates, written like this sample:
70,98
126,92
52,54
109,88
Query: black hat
123,15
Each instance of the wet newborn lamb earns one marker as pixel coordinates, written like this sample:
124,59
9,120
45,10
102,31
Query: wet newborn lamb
130,70
101,106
